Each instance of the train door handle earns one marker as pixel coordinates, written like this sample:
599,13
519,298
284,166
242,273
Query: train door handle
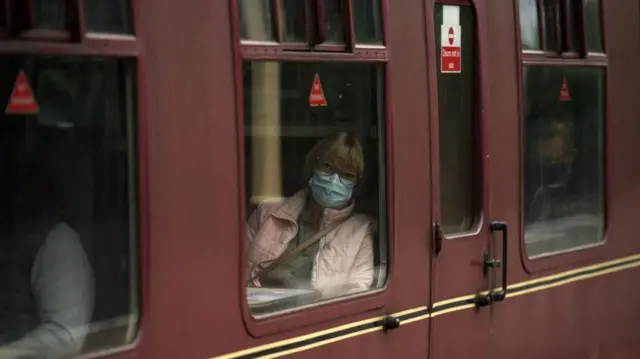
482,300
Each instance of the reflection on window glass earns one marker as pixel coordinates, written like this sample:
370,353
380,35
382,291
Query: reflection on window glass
367,19
334,20
51,14
551,30
293,19
569,13
68,268
563,159
529,24
314,147
256,22
593,26
458,125
3,18
108,16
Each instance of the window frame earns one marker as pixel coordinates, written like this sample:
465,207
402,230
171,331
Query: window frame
277,49
244,50
74,41
582,254
79,42
480,170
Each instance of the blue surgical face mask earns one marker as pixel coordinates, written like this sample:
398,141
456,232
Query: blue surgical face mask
330,190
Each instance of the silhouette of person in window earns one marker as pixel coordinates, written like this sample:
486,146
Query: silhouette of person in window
46,281
554,154
558,198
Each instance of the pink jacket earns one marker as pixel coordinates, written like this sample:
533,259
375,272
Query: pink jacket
344,262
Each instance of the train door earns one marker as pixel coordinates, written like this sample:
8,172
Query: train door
467,253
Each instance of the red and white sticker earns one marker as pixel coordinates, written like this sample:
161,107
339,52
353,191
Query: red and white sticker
450,40
564,90
450,51
316,96
22,100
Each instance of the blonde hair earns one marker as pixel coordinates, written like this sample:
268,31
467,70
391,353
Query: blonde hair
340,147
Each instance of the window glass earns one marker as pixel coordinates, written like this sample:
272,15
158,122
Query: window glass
293,18
593,25
458,124
367,19
51,14
563,158
551,28
569,15
256,21
334,21
108,16
314,147
68,269
3,17
529,24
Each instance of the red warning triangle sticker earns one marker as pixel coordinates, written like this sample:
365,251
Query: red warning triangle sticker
22,100
316,97
564,90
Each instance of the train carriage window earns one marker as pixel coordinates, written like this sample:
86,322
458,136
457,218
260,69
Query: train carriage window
3,18
561,27
563,199
256,20
68,214
529,24
368,21
334,13
564,158
51,14
108,16
293,21
42,19
313,23
593,25
551,20
458,126
314,148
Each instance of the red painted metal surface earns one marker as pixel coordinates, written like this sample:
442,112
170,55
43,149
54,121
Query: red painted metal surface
457,270
192,194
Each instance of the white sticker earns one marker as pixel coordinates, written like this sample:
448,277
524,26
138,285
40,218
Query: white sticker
450,15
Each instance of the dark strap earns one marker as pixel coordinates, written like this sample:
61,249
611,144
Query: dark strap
287,256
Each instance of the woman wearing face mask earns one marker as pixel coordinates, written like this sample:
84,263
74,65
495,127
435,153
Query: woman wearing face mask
314,239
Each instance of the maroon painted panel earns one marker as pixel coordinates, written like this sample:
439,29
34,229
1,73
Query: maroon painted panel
191,185
591,318
458,268
195,216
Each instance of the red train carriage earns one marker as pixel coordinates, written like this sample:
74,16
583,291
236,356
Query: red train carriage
499,185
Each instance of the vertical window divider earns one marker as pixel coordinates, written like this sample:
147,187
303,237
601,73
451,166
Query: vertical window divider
541,26
557,14
321,24
349,25
4,20
565,12
80,28
276,11
310,20
581,27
